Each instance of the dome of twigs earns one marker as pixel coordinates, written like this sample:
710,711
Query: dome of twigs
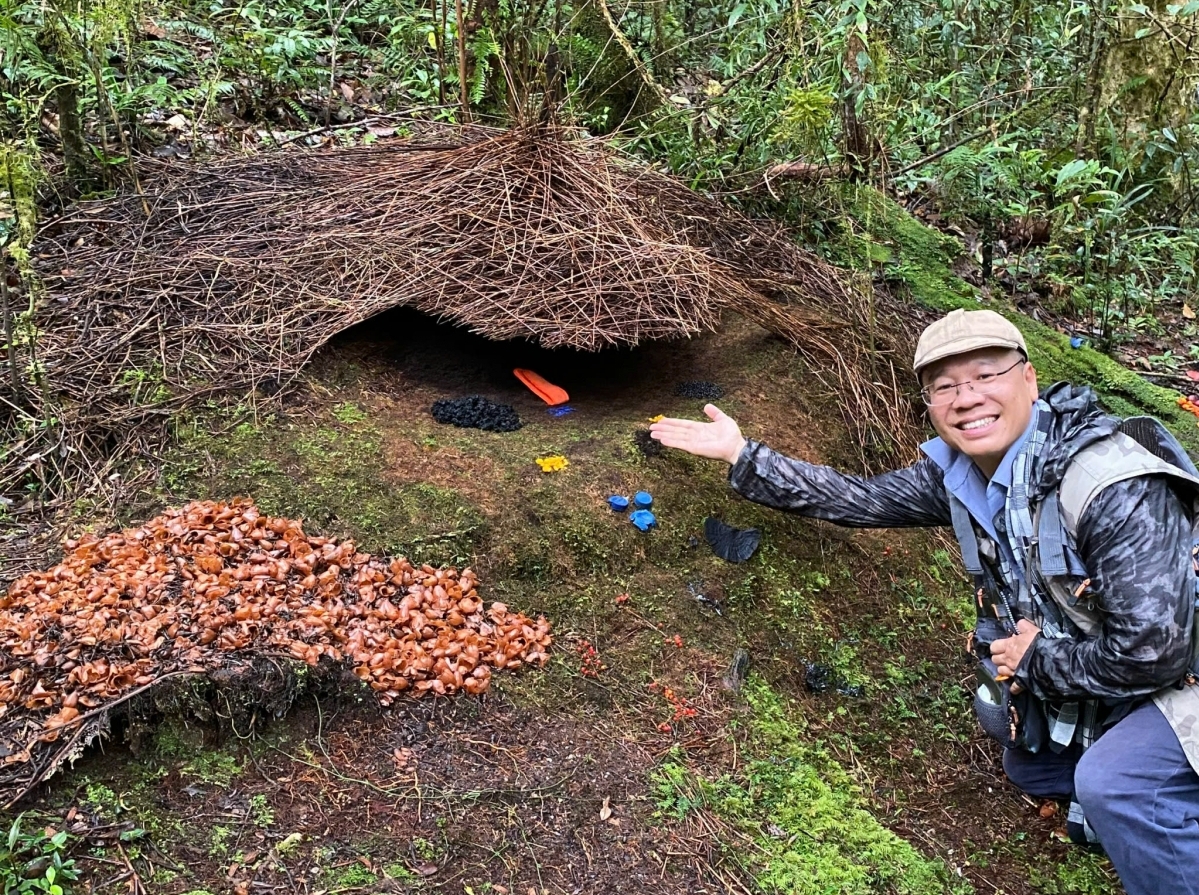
196,588
226,277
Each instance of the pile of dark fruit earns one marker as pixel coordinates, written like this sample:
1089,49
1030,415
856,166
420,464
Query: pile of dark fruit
476,412
708,391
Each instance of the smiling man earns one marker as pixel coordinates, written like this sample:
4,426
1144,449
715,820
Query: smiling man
1080,543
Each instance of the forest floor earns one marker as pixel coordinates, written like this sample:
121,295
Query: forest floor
847,762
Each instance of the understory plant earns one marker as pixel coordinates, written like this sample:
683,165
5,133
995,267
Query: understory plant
34,861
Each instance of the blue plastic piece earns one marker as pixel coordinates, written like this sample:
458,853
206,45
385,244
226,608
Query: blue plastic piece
643,519
643,500
620,503
1076,341
560,410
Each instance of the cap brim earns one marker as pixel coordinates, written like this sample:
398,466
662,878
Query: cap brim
965,346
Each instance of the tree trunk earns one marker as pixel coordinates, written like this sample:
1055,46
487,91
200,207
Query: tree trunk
1088,112
70,122
9,335
1159,96
857,136
70,131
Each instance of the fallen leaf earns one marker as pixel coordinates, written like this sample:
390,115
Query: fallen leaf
347,91
605,811
1188,312
1048,809
427,869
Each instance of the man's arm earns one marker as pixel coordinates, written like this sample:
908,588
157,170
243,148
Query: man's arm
914,496
908,497
1135,541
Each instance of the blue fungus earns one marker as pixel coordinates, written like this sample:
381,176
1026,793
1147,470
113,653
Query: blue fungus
643,519
618,503
643,500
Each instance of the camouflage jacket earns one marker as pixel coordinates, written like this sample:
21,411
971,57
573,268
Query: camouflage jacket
1134,541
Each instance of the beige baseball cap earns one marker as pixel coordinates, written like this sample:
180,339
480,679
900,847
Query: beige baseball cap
961,331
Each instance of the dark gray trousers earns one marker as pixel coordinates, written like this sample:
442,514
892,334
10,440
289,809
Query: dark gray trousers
1138,793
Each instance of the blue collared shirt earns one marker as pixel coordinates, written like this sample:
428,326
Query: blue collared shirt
985,500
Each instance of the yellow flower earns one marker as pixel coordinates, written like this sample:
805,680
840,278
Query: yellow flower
660,416
553,463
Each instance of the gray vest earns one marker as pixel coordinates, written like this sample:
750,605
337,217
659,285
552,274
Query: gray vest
1116,459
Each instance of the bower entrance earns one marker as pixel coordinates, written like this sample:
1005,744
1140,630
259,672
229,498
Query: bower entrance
414,358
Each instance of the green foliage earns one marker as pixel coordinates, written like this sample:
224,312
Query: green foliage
217,768
675,790
261,812
805,815
1076,873
35,862
218,841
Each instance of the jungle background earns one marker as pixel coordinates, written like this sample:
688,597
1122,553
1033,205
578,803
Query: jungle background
1035,157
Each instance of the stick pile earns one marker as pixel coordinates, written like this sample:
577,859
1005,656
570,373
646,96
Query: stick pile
244,268
195,587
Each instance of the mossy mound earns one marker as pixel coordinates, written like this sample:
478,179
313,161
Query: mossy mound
918,260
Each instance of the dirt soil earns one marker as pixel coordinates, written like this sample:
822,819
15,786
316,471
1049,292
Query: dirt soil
551,783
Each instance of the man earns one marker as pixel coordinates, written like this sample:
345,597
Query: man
1097,608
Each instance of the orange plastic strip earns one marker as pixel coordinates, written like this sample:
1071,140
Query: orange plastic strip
541,387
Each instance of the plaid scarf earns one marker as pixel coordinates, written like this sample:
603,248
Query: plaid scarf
1020,527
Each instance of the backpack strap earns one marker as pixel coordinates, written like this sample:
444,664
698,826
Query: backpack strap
1051,546
963,530
1110,460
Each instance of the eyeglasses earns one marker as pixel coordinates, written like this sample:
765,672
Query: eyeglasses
982,384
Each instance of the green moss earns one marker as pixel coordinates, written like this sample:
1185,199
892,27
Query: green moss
400,873
261,812
333,474
351,876
218,841
1077,873
103,801
805,815
919,260
216,768
907,253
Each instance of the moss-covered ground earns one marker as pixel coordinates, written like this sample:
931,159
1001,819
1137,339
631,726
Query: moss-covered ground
558,781
919,264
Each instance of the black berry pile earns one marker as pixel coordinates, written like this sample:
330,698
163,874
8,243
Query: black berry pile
646,444
476,412
709,391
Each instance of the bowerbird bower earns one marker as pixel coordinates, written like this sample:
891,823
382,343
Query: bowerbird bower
223,279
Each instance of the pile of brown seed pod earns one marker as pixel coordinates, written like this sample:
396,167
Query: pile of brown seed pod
196,584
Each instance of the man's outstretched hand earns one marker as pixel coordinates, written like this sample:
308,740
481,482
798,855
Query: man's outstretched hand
718,440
